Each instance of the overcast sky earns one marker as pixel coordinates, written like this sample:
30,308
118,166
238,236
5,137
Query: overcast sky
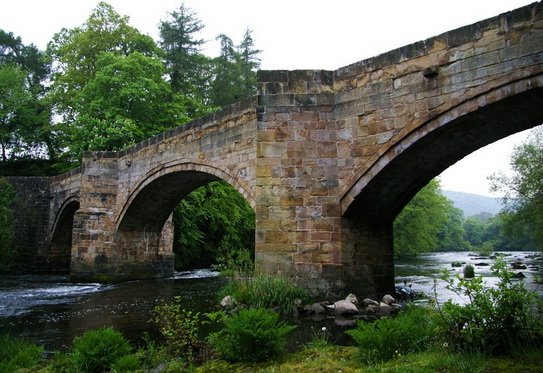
295,34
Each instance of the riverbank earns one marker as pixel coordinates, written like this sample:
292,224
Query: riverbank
344,359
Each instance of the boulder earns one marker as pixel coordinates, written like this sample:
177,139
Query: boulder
518,265
370,302
228,303
385,309
388,299
344,307
352,298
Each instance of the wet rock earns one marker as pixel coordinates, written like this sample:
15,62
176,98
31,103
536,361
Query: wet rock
228,303
518,265
519,275
344,307
370,302
456,264
388,299
372,309
352,298
482,264
385,309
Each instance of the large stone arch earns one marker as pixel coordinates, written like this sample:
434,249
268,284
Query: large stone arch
371,203
61,234
404,167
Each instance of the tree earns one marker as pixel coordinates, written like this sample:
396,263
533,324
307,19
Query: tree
417,226
451,235
76,51
125,102
234,76
524,189
213,225
249,62
189,70
24,111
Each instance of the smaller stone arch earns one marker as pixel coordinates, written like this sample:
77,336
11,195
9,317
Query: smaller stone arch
61,235
191,174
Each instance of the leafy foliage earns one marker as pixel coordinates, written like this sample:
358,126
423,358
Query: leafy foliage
17,354
180,328
416,228
494,320
524,190
189,70
99,350
7,254
126,102
272,292
251,335
384,339
214,225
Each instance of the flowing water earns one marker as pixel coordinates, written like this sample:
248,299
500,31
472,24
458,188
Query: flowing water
52,311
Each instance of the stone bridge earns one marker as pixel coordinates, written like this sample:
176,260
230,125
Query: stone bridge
327,159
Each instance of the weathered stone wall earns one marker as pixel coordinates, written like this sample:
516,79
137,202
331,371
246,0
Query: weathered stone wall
385,104
123,229
327,159
30,224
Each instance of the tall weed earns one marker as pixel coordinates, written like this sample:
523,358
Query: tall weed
494,319
16,354
265,292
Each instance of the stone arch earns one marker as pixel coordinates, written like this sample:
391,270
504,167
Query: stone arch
379,193
179,179
61,235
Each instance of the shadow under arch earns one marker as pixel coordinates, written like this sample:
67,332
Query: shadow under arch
380,194
61,236
153,199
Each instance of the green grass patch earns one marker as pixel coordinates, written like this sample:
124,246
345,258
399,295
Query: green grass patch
271,292
18,354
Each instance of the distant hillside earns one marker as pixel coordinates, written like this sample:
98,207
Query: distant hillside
473,204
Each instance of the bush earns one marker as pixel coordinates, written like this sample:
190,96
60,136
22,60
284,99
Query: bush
410,331
251,335
265,292
180,328
469,271
98,350
493,320
16,353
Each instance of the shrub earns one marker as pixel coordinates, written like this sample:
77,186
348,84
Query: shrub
410,331
493,320
251,335
179,327
469,271
126,363
265,292
16,353
98,350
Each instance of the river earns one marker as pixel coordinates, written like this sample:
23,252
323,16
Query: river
51,311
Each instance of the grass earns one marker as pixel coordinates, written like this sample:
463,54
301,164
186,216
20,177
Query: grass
345,359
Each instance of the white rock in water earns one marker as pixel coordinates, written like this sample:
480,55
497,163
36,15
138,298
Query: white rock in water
344,307
388,299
